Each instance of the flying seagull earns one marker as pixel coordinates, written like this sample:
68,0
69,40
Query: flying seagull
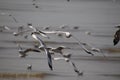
67,34
32,29
71,63
29,67
93,49
34,35
83,46
4,27
23,53
10,15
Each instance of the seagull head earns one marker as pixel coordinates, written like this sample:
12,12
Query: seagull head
68,34
15,33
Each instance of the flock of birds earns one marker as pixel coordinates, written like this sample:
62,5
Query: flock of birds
51,51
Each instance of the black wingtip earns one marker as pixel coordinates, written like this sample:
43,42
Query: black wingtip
51,68
115,41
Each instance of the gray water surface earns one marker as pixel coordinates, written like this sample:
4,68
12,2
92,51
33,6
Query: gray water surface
96,16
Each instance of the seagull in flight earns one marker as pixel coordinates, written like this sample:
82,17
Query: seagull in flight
67,34
49,57
93,49
67,59
23,53
32,29
29,67
83,46
4,27
55,50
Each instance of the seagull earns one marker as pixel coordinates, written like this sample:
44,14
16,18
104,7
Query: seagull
55,50
34,35
13,18
33,29
10,16
4,27
23,53
94,49
82,45
37,31
71,63
58,49
116,37
67,34
29,67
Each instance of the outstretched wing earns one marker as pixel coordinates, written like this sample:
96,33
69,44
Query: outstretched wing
31,50
75,68
46,51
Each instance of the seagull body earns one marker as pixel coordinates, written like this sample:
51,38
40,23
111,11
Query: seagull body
95,49
67,34
4,28
29,67
61,58
56,50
